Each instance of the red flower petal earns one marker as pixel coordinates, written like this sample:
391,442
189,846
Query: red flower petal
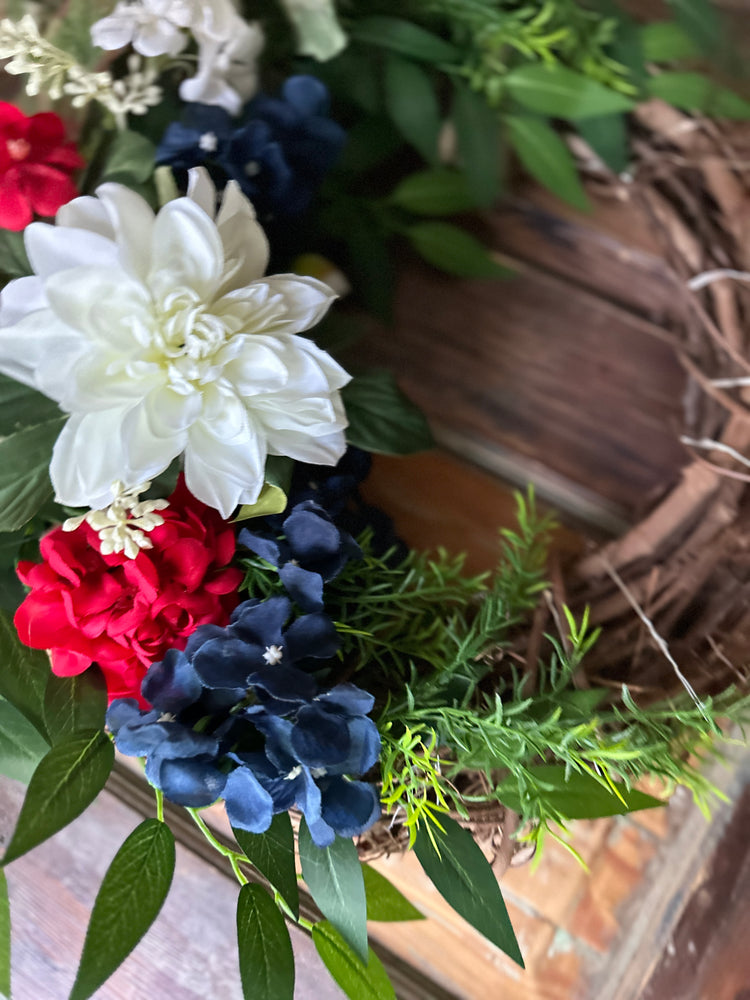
47,188
15,211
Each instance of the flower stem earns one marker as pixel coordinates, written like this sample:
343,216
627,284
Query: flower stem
159,803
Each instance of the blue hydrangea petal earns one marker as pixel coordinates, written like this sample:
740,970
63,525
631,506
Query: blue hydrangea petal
261,622
126,712
226,662
349,807
165,740
311,635
249,806
284,684
172,684
364,748
202,634
306,94
266,548
303,586
347,698
309,804
319,739
311,533
194,783
280,786
278,733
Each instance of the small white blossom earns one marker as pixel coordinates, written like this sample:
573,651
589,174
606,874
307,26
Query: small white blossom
53,71
273,655
122,526
152,27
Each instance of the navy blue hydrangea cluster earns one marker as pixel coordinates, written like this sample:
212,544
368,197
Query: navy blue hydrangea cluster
238,715
311,551
278,150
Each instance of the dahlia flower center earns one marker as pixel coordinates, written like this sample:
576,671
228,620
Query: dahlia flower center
18,149
186,328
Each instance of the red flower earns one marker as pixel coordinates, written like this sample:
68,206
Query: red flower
35,162
124,614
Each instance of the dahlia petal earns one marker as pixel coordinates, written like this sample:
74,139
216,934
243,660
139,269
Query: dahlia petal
132,220
186,251
245,243
306,301
89,456
53,249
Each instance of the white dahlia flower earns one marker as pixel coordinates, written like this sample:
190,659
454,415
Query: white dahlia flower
160,337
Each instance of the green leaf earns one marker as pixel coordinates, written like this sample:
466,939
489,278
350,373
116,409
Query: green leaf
701,21
440,191
405,38
382,418
334,877
608,137
477,128
4,938
411,102
130,159
666,41
21,406
131,895
580,796
279,471
357,980
272,500
695,92
453,250
266,957
24,472
21,746
13,260
73,34
67,780
547,158
272,853
75,705
463,877
562,93
24,675
384,901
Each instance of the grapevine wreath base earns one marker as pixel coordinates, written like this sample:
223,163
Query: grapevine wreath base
681,576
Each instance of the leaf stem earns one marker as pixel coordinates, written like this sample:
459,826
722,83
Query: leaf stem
159,803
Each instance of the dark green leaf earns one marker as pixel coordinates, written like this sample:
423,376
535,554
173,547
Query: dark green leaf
695,92
13,260
411,102
67,780
4,937
578,797
562,93
665,41
370,141
21,746
608,137
701,22
454,251
382,418
547,158
21,406
478,134
405,38
24,675
75,704
131,895
266,958
24,472
334,877
357,980
130,159
463,877
279,471
384,901
440,191
272,853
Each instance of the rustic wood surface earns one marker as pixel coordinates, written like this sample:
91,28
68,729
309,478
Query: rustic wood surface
190,952
541,376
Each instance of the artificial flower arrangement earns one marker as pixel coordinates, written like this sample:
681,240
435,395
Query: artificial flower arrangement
190,574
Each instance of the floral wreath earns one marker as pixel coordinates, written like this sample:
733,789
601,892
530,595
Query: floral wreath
190,572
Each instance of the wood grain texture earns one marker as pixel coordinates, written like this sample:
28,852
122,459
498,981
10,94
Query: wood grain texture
190,952
543,368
